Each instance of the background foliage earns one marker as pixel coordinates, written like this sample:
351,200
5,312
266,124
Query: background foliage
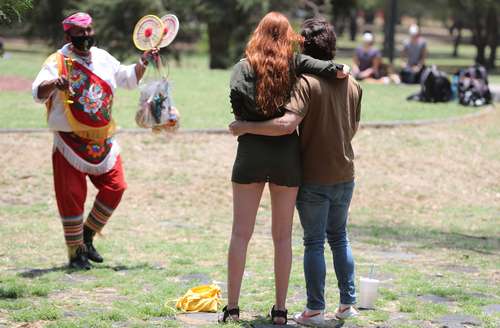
227,24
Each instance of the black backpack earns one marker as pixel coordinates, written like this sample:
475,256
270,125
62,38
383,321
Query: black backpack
434,87
473,87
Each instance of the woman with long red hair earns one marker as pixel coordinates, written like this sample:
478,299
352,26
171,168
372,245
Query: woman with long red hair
260,86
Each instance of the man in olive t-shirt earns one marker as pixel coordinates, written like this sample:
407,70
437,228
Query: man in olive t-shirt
328,112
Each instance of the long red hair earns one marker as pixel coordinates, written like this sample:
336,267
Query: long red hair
270,53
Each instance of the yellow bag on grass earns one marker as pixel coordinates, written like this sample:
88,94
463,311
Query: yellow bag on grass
205,298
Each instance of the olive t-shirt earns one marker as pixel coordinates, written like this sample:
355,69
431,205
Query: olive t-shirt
331,110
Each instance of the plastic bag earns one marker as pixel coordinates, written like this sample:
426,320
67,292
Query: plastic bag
204,298
156,108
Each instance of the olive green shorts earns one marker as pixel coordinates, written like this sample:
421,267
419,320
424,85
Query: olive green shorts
268,159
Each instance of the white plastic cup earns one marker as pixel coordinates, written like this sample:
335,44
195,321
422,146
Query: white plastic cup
368,292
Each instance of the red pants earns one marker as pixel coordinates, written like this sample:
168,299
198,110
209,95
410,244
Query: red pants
71,192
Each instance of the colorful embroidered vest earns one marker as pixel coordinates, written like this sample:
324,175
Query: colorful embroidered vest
87,105
90,147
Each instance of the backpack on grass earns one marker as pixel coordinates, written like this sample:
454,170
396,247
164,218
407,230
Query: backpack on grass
473,87
434,87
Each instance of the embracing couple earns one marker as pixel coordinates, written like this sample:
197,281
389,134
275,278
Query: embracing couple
274,91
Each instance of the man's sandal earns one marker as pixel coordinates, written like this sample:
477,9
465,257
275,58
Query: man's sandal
281,314
229,315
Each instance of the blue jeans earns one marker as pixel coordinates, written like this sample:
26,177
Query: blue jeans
323,211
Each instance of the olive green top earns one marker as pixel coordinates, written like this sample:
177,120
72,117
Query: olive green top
263,158
242,85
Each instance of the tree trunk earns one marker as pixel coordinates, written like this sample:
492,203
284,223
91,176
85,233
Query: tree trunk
480,54
353,24
390,28
492,32
218,41
340,27
479,36
457,39
456,42
340,14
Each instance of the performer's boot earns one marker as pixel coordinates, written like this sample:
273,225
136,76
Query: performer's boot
78,258
88,238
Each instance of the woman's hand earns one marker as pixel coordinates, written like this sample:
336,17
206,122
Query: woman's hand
346,70
237,128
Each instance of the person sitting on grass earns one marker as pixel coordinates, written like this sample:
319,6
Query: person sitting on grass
367,59
413,55
368,65
328,112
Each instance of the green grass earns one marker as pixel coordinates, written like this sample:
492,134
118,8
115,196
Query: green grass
168,229
388,103
439,52
202,97
417,193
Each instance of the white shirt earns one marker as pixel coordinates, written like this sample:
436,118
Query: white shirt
102,64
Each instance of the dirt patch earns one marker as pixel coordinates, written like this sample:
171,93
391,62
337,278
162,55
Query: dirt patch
14,83
425,200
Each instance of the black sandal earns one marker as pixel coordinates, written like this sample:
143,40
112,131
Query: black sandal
283,314
228,314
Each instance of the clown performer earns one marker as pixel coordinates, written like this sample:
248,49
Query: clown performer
77,85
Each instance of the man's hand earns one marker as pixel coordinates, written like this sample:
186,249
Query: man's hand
150,55
146,57
237,128
46,88
61,83
346,70
416,68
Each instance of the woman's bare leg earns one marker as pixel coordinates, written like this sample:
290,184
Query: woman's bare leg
283,204
246,199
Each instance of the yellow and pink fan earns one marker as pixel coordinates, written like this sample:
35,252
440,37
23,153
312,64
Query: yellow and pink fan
170,29
156,108
148,32
152,32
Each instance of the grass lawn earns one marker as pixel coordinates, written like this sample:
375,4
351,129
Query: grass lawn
201,95
424,216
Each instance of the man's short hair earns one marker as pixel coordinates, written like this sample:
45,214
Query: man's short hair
320,39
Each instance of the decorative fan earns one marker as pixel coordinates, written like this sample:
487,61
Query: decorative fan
170,29
148,32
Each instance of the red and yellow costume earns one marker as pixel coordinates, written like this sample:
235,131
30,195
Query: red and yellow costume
84,145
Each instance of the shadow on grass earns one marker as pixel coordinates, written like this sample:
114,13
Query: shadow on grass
428,237
34,273
263,322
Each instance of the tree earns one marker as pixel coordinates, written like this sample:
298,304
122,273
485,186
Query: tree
114,22
492,27
344,11
481,18
230,23
44,21
391,17
456,31
220,20
12,10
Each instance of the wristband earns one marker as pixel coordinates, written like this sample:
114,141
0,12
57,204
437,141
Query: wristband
143,62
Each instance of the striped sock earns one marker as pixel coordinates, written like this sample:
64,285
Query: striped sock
73,230
98,216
